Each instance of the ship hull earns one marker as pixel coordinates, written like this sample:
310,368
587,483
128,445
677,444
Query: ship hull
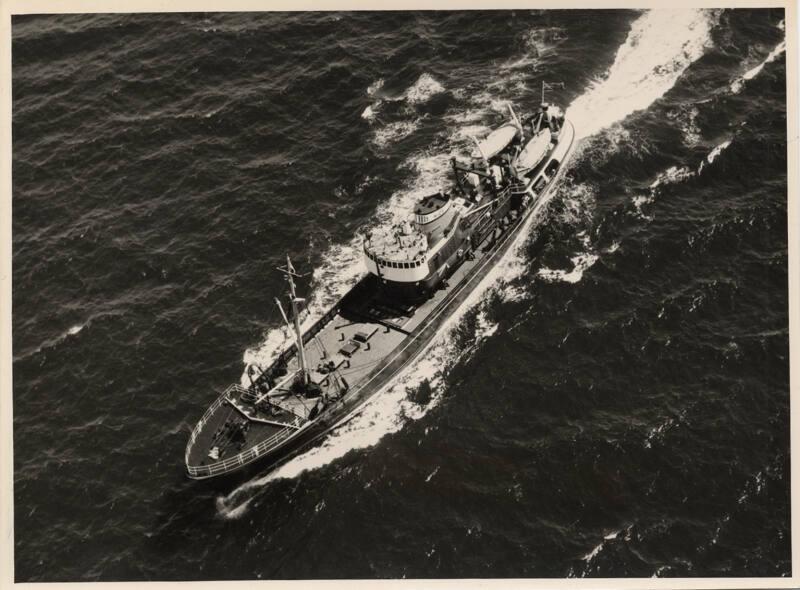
415,336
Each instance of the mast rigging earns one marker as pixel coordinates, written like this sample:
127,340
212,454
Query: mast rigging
301,353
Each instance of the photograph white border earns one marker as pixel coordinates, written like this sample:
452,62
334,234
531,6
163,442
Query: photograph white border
8,8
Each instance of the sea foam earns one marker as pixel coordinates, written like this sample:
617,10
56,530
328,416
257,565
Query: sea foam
661,44
423,89
738,84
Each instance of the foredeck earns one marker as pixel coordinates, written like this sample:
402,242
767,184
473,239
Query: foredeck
260,434
385,329
354,344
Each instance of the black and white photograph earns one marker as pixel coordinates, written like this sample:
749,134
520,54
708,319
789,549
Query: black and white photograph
424,294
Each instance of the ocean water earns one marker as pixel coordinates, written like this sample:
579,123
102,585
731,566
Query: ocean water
612,401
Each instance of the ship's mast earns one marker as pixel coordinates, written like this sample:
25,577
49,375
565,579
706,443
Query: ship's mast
514,118
301,353
480,150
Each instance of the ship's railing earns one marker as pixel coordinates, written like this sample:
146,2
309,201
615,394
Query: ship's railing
394,263
202,422
232,462
243,458
235,387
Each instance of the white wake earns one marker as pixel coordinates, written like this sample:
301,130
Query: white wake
662,43
738,84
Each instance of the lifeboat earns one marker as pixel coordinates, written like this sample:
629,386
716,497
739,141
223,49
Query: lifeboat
534,151
497,141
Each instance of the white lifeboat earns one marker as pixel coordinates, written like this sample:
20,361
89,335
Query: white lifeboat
534,151
497,141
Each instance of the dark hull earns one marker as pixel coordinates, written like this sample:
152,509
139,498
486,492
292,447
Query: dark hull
453,294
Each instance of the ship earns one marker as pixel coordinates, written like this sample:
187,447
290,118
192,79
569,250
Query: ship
418,272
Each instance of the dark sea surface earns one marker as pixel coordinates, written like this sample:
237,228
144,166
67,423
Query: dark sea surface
613,401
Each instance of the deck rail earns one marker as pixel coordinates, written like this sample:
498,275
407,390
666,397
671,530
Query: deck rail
236,461
201,471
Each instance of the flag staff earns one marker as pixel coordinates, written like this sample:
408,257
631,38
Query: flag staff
550,86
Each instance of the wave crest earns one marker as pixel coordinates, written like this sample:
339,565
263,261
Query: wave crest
423,89
738,84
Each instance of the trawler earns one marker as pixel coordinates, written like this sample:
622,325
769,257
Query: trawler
418,273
